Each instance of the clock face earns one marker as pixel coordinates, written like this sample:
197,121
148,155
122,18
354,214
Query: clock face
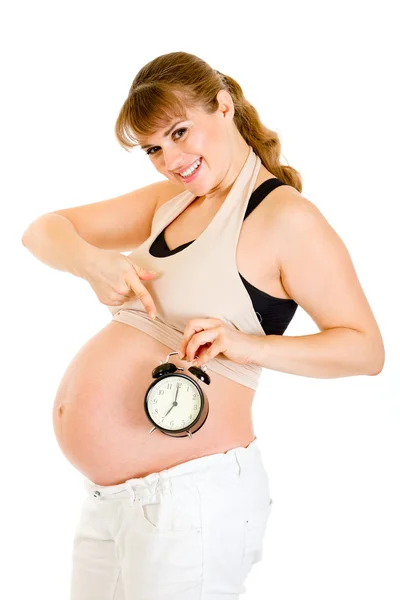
174,402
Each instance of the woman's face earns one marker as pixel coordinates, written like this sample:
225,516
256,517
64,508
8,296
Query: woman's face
211,138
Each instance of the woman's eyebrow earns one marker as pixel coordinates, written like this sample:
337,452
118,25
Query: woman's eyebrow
165,134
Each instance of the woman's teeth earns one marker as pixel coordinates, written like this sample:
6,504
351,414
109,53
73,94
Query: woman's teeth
191,170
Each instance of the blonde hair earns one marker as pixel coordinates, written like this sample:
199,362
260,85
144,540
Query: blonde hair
167,85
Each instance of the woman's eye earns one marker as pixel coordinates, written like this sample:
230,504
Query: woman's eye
149,151
178,130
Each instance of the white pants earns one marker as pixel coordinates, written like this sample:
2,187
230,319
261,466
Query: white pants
191,532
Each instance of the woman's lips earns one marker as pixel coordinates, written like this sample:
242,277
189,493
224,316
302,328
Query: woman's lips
193,176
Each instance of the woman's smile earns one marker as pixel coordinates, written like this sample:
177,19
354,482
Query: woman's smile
194,174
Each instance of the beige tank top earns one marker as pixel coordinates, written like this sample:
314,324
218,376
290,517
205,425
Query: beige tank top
202,280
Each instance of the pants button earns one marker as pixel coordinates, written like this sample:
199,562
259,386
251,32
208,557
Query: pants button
96,494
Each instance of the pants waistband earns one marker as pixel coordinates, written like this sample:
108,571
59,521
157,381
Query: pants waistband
233,459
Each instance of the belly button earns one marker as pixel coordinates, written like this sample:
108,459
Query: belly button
61,410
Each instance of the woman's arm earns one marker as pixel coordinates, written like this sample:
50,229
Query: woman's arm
318,273
54,240
336,352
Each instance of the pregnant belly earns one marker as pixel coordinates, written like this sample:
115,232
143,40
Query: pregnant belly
99,417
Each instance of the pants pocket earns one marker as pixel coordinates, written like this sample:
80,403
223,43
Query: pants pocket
173,513
161,556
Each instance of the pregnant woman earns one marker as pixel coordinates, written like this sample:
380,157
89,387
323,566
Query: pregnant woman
235,248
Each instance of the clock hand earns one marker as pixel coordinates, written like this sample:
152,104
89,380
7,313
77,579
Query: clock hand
173,404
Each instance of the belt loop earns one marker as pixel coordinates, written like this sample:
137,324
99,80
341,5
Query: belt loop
165,481
130,491
238,464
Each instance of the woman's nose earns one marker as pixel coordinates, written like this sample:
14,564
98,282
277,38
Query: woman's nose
173,161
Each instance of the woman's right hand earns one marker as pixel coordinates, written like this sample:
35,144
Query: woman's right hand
115,279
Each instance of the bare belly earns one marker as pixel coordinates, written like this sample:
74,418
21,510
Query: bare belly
99,417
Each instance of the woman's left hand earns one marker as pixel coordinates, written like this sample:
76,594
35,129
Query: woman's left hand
208,337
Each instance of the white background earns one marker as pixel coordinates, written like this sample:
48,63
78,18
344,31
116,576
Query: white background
323,75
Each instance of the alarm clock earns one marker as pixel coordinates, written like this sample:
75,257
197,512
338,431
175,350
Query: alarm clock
175,403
